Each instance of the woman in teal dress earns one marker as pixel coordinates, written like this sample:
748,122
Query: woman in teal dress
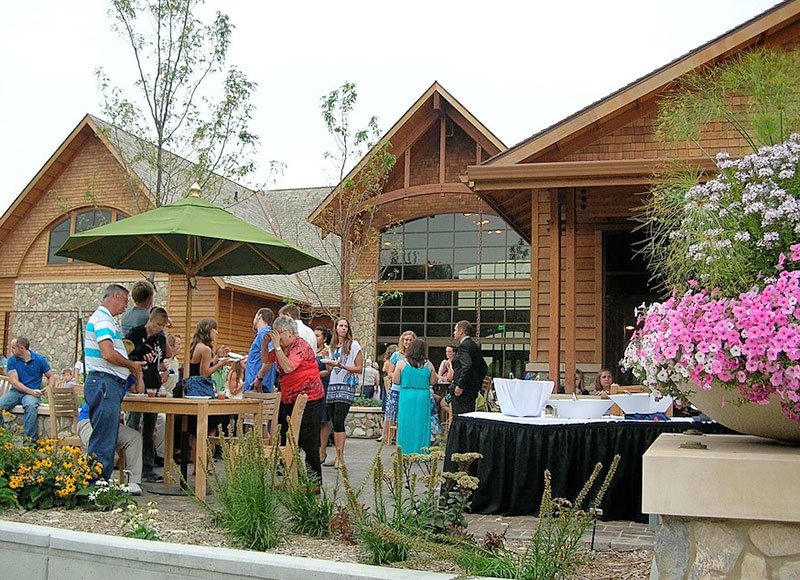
416,376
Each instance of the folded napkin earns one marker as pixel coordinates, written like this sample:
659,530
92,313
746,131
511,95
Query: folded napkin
647,417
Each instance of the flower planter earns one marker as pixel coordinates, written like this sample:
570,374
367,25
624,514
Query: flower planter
364,422
749,419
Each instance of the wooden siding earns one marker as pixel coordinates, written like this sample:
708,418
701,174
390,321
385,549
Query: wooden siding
204,304
235,312
93,178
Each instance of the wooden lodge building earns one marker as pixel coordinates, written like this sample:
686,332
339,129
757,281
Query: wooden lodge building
99,175
533,242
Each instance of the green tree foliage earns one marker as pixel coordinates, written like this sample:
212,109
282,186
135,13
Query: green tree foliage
756,93
176,106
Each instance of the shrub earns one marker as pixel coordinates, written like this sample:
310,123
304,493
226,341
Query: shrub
248,498
308,506
50,476
140,525
109,495
364,402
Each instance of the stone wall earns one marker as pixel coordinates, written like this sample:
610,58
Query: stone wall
364,422
55,334
363,316
703,548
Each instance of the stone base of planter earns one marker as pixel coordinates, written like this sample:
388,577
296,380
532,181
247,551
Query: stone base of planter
364,422
728,510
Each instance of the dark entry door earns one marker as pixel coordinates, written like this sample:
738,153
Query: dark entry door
626,285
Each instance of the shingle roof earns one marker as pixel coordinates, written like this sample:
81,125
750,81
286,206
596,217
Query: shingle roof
281,212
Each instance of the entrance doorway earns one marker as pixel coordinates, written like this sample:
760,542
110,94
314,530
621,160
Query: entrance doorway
626,285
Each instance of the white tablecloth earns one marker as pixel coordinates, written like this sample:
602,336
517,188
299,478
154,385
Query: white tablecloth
556,420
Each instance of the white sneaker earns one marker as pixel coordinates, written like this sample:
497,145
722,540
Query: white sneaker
134,488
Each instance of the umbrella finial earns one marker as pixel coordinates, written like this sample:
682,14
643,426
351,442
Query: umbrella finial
195,190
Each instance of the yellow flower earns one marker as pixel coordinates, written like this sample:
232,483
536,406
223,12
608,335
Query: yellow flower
67,465
8,445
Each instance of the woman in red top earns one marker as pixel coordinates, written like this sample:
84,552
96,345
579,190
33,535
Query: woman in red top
299,373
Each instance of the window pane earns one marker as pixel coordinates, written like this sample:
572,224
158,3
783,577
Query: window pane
390,315
439,314
58,235
391,331
414,272
440,240
438,330
420,225
91,219
440,298
440,272
415,241
413,315
413,298
441,223
415,257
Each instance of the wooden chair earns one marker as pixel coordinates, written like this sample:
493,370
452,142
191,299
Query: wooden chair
270,407
5,385
63,404
292,449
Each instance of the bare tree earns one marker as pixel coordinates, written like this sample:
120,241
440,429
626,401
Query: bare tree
350,213
186,126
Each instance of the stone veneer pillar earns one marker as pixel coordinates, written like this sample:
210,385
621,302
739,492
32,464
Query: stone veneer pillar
727,504
364,315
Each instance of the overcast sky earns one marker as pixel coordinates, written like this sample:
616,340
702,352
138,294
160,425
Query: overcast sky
517,66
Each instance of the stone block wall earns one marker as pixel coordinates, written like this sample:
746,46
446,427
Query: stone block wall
364,422
688,548
54,334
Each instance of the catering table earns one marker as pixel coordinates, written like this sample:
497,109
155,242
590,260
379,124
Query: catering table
517,450
200,408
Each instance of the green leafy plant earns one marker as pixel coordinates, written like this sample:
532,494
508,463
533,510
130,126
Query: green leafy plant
138,524
248,496
364,402
308,506
109,495
552,552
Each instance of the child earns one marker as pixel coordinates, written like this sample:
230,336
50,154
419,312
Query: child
235,381
68,377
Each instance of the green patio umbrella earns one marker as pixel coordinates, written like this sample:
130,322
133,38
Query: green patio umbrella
191,237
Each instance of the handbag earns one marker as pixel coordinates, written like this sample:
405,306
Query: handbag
198,387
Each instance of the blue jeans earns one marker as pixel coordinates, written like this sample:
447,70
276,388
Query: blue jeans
31,405
104,396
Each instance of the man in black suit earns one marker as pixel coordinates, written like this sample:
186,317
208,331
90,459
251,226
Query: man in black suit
469,368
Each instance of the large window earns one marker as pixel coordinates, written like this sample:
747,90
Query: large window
504,323
464,246
77,222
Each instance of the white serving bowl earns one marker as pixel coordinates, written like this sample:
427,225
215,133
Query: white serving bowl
520,398
641,403
580,409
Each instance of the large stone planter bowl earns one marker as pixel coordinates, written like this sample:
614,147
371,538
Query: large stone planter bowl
749,419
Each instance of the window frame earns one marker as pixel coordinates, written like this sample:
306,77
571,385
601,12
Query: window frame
72,218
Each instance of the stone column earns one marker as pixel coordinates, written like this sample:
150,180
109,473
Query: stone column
364,315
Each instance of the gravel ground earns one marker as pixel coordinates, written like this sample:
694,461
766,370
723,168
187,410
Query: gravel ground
193,527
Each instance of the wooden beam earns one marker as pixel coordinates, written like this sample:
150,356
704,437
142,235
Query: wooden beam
407,168
570,291
457,285
555,287
442,141
478,150
534,322
599,324
437,102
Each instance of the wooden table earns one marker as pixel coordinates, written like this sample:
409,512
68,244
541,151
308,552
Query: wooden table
200,408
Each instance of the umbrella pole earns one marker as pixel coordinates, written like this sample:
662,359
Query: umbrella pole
187,337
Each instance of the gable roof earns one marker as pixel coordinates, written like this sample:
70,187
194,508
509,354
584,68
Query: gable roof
748,34
277,211
399,133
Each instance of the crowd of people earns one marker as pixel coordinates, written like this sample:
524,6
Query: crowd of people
141,354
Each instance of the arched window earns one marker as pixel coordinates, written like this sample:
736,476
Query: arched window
77,222
463,246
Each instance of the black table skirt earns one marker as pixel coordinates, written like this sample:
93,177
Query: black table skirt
515,457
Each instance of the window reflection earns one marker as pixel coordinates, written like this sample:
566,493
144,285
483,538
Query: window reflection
462,246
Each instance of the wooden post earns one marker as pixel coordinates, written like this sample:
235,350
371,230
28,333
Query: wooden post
442,141
407,168
555,287
570,288
534,323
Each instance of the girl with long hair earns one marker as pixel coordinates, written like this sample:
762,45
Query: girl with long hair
345,361
415,376
390,414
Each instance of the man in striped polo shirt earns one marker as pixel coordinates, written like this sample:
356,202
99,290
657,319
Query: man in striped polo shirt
107,367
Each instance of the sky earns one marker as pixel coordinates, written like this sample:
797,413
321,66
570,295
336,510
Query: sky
517,66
